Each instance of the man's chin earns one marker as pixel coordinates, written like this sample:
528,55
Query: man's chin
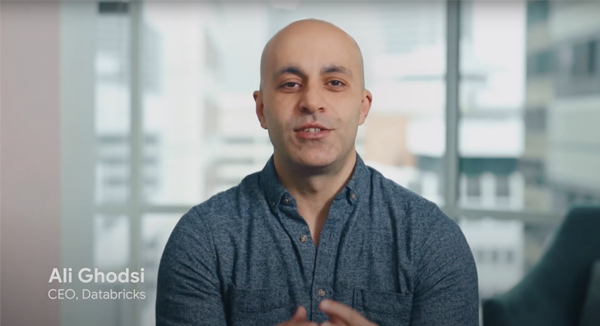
313,161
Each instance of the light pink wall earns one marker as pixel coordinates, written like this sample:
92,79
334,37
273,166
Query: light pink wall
30,160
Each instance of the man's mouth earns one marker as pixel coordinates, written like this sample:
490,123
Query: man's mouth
312,130
312,133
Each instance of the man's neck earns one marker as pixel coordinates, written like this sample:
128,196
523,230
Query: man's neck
315,189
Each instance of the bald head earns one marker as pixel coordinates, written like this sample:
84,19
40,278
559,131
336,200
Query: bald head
312,97
304,38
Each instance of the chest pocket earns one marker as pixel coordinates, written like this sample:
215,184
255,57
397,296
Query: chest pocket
383,308
259,307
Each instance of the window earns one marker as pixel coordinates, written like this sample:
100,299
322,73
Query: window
510,257
514,117
480,256
473,186
484,132
535,119
585,59
541,63
524,124
493,241
495,256
502,186
537,11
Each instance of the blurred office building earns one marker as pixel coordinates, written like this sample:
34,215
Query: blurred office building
498,251
562,141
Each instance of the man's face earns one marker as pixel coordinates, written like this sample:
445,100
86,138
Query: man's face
312,98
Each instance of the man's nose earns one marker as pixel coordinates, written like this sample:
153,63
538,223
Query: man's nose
312,99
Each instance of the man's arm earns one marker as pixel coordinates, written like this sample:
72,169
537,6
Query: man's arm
446,289
188,289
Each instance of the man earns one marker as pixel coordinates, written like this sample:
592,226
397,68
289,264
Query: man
316,237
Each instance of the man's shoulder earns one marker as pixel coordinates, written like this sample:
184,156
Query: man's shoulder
421,212
228,201
224,209
394,193
427,223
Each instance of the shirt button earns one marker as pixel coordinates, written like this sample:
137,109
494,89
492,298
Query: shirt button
303,238
321,292
286,200
353,196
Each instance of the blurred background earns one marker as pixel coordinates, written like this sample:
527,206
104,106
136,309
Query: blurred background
496,123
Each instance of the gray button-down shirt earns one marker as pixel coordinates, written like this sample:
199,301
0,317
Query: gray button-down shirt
246,257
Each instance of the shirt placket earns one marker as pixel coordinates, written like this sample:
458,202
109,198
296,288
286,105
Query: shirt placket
323,276
299,232
317,263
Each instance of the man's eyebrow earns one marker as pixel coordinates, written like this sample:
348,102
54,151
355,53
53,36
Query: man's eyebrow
335,69
290,69
295,70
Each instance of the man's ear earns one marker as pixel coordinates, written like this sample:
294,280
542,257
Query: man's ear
365,106
260,108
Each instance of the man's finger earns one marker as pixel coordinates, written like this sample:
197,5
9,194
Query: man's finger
300,314
299,319
337,310
334,320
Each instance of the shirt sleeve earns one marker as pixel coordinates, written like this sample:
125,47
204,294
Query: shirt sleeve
188,287
446,286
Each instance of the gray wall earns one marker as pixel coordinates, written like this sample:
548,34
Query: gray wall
30,160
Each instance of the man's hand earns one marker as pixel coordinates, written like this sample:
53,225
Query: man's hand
342,315
299,319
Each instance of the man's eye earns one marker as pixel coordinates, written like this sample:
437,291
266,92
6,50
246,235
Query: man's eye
336,83
289,85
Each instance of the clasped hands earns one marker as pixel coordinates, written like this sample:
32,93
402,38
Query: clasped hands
339,315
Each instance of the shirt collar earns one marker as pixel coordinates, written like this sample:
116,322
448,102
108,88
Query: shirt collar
354,190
